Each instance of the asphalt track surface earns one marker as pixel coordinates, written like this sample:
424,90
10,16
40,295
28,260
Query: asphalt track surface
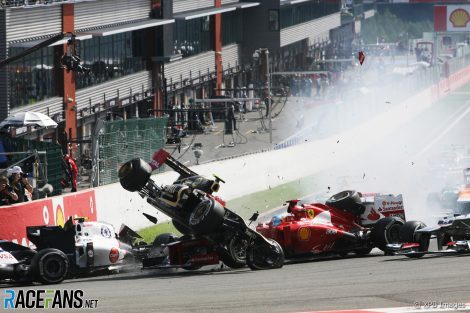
333,283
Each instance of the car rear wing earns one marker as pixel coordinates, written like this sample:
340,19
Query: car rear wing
163,157
378,206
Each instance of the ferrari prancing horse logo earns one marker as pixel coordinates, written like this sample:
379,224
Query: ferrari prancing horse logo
310,213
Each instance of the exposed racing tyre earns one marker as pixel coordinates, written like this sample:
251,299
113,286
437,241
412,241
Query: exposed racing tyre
207,217
164,239
235,254
50,266
263,256
362,251
134,174
182,228
407,231
348,200
386,231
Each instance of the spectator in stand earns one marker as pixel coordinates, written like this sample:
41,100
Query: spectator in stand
7,194
73,170
20,184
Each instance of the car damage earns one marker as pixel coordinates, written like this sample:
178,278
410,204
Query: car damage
347,222
211,232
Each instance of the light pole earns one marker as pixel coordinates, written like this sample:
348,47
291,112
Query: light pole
264,52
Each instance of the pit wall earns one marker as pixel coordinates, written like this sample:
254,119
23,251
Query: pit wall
244,175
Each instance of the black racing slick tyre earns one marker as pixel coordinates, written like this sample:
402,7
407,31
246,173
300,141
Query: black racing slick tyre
263,256
207,217
235,254
407,231
50,266
408,235
348,200
134,174
386,231
182,228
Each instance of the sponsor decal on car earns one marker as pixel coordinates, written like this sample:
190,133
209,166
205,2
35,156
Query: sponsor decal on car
389,203
6,257
304,233
113,255
105,232
331,231
373,216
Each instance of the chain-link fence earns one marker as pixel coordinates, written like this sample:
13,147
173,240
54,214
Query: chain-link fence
121,141
49,167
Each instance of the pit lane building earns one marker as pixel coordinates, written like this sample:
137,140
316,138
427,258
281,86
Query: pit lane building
145,55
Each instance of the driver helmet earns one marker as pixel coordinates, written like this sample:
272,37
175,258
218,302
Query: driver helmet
276,220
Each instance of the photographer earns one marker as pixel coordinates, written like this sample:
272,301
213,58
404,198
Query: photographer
20,184
7,194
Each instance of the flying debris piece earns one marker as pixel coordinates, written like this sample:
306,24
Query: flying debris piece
364,176
412,163
362,57
387,102
337,141
329,187
151,218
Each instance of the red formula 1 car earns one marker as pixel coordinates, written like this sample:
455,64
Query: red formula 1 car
347,222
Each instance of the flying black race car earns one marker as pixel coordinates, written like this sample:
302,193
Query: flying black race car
212,231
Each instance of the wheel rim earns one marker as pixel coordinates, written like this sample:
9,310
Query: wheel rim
394,233
199,213
265,256
238,249
53,268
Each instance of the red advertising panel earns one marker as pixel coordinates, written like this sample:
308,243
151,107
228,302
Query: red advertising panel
52,211
440,15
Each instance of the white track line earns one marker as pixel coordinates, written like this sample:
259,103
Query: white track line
442,134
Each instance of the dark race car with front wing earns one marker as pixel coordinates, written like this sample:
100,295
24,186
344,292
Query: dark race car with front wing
347,222
211,231
452,235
